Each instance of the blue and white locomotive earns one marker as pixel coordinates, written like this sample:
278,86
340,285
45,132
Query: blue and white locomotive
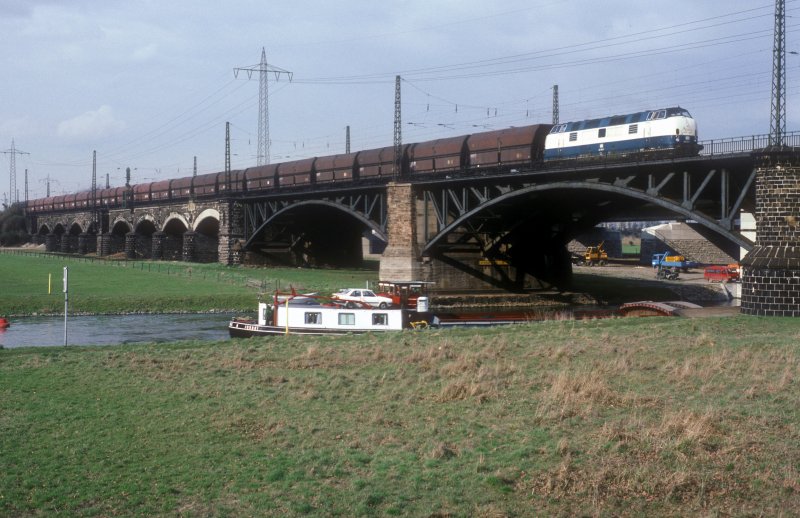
648,131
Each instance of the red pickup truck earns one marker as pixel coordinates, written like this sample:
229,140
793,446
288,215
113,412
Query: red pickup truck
721,273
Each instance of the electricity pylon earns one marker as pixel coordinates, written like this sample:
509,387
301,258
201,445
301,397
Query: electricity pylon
263,101
13,195
777,126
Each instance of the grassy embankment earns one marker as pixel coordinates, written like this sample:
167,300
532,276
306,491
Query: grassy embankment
101,286
107,286
624,417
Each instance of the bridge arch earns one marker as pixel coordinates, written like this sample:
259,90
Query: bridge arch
59,228
76,228
116,235
174,229
175,220
53,238
121,226
143,241
93,227
208,213
206,236
373,227
319,232
665,203
145,218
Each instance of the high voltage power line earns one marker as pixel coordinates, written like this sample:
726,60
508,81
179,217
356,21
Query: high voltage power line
550,53
511,64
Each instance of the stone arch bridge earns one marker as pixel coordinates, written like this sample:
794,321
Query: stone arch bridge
181,232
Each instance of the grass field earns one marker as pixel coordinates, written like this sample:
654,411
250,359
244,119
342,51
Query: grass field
100,286
621,417
628,249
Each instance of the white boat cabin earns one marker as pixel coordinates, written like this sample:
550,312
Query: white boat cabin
297,315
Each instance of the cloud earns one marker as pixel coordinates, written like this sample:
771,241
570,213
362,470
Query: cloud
22,8
22,126
145,53
91,125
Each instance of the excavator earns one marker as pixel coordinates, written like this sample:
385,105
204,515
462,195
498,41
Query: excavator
594,255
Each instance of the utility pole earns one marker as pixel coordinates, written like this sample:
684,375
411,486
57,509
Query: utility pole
228,155
94,190
194,170
13,194
347,140
555,104
398,128
26,185
127,194
777,126
263,101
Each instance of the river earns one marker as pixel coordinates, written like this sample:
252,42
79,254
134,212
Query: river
113,329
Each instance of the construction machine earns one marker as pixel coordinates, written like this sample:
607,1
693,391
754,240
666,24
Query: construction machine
594,255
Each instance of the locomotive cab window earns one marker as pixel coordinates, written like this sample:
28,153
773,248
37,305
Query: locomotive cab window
313,318
601,133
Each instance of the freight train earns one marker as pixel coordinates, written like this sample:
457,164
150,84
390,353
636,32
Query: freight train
668,130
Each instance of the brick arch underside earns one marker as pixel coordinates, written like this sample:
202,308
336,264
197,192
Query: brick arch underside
173,232
314,232
143,240
116,236
206,238
75,229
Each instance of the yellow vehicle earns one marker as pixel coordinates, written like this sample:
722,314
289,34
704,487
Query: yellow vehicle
594,255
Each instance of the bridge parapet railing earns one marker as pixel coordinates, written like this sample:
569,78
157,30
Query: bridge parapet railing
737,145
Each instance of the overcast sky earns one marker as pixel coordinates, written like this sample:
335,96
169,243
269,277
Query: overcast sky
150,84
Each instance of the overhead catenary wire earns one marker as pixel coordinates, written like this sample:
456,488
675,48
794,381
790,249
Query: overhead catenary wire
556,52
201,118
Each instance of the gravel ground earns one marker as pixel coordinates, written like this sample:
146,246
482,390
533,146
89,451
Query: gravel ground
648,273
690,286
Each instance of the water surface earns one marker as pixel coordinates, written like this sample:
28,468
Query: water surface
113,329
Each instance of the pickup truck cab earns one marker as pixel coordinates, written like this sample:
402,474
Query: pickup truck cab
721,273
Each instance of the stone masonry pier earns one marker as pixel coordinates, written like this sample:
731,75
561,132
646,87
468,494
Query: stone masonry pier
771,271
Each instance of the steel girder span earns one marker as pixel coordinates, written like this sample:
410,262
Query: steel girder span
314,232
528,226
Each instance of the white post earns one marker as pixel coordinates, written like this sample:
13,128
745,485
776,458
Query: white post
66,302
